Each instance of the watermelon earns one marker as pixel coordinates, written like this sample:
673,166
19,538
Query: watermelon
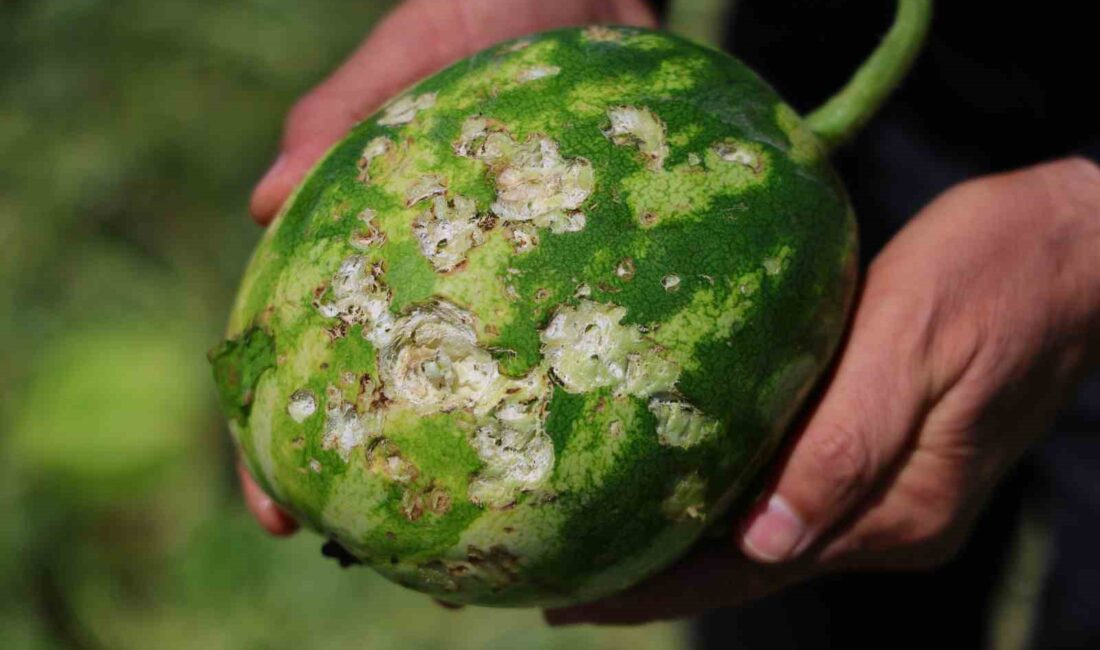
522,334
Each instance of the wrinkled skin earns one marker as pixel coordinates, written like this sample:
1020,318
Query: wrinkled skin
972,325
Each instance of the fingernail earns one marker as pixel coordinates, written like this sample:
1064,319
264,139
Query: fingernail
772,535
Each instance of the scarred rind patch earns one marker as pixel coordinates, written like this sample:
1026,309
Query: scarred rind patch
680,424
639,127
404,109
687,501
587,348
447,231
358,296
429,361
376,148
533,181
537,72
433,363
493,569
727,167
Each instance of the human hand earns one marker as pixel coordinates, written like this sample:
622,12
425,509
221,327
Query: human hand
973,324
416,39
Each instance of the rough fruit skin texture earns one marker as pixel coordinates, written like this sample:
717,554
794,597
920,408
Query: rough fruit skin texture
528,329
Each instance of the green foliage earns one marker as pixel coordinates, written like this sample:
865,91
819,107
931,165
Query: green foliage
132,132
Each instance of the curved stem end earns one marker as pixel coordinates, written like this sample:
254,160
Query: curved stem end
845,113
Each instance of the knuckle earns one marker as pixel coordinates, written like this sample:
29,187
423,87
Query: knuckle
1075,168
843,457
1073,185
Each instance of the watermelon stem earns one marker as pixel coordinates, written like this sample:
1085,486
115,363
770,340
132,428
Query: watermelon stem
846,112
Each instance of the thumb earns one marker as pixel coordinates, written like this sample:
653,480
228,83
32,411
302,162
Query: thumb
417,38
852,439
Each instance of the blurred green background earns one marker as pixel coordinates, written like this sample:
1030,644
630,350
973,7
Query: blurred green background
131,133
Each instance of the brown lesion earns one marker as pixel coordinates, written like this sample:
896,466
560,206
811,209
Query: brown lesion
385,459
429,500
625,269
336,332
371,236
496,568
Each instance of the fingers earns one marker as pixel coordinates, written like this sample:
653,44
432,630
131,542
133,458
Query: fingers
856,434
416,39
267,512
713,576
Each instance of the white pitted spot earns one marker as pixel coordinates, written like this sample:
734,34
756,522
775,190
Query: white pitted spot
434,364
587,348
694,160
371,236
641,128
602,34
426,186
524,237
344,429
729,151
625,269
403,109
687,501
537,72
447,231
303,403
360,297
534,182
514,462
680,424
671,283
315,465
582,291
379,146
